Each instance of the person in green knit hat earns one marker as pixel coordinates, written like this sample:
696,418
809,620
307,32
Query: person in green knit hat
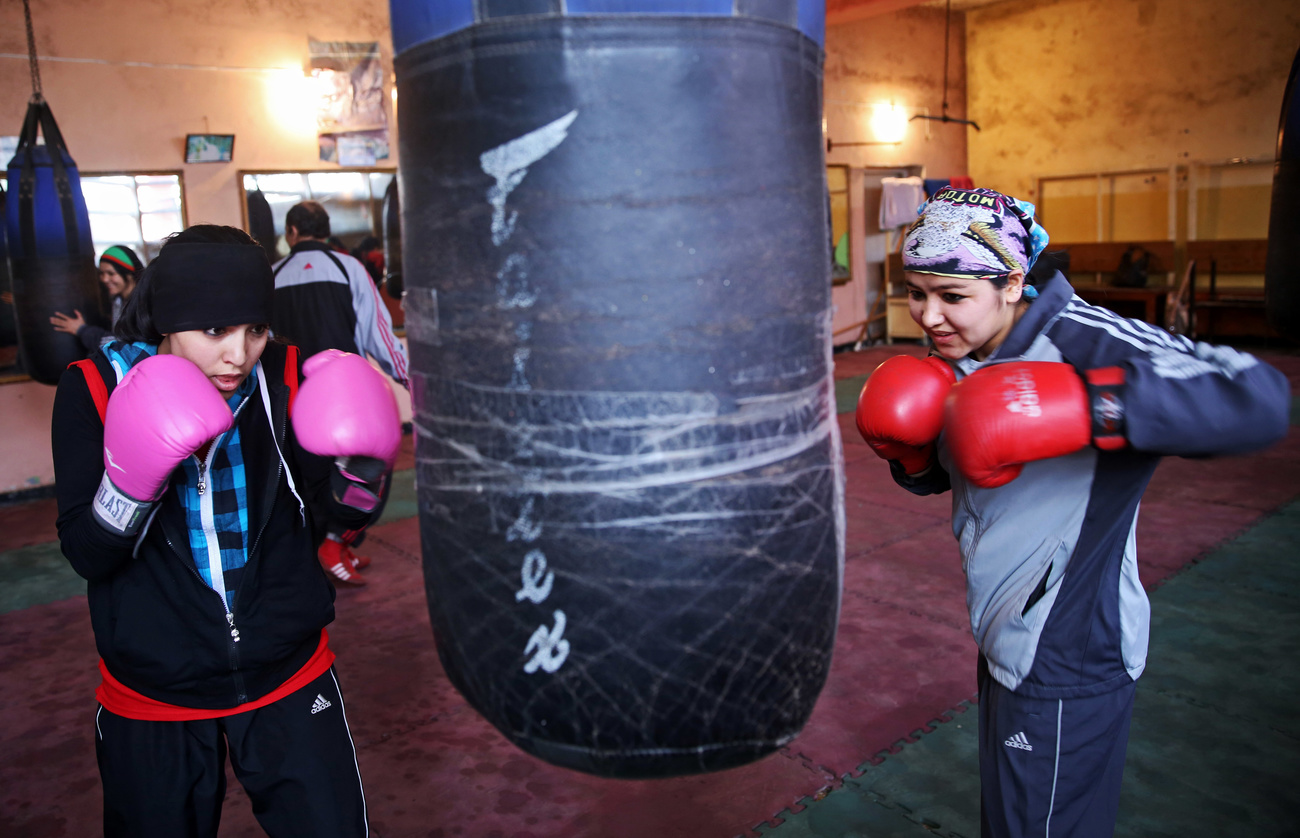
119,268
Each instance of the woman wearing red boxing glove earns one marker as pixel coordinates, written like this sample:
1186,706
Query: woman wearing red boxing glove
1059,416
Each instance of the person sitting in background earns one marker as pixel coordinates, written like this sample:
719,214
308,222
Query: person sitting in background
119,270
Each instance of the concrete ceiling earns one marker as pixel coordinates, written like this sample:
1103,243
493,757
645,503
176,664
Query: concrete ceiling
844,11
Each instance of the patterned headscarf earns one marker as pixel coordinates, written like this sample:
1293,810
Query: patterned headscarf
973,234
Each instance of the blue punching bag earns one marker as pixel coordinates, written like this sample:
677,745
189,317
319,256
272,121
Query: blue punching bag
50,249
618,306
1282,268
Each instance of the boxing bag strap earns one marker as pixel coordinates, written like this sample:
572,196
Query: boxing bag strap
27,182
95,382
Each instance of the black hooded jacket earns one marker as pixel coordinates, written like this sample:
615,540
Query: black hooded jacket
159,628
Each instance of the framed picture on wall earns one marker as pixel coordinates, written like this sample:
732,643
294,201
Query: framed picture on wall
209,148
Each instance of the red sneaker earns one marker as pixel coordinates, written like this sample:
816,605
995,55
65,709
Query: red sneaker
358,562
337,563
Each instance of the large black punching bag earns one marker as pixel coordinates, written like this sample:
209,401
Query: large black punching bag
50,249
392,211
618,307
1282,268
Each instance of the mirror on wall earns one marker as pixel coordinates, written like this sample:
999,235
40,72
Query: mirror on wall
837,186
136,209
353,198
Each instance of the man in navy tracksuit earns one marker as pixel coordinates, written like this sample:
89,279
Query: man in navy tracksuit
324,299
1047,442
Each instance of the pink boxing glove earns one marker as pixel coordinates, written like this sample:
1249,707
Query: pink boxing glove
346,410
163,411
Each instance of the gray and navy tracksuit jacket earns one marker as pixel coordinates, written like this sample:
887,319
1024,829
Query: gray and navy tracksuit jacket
326,300
1055,602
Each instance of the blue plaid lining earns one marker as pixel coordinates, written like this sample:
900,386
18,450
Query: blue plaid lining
123,356
228,486
227,479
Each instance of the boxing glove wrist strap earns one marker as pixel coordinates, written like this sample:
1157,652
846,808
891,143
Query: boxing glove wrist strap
1106,404
358,482
117,511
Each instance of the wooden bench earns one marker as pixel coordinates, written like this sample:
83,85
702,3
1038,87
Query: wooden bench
1233,310
1092,267
1102,258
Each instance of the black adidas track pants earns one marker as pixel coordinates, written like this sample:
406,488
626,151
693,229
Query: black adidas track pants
1050,768
294,758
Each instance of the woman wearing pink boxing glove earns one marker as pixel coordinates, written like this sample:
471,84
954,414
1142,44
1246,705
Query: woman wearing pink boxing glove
185,500
1047,440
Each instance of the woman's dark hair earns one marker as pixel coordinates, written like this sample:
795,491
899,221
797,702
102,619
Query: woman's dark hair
136,320
367,244
1049,262
310,219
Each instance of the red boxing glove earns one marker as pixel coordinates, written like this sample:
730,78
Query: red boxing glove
1006,415
900,410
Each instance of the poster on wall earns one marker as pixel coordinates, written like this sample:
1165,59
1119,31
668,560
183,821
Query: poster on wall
356,148
351,115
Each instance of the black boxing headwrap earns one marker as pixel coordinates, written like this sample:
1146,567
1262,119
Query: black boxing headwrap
202,285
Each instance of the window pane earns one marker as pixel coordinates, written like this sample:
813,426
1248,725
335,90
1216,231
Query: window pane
352,199
157,226
109,195
1232,202
285,182
114,228
160,197
345,185
346,197
379,184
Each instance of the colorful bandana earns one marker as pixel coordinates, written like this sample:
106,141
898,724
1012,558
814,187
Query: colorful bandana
973,234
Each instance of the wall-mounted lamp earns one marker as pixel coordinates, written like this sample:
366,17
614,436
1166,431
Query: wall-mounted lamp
887,122
291,98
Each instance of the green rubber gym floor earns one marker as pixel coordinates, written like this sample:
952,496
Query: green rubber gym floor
1216,702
